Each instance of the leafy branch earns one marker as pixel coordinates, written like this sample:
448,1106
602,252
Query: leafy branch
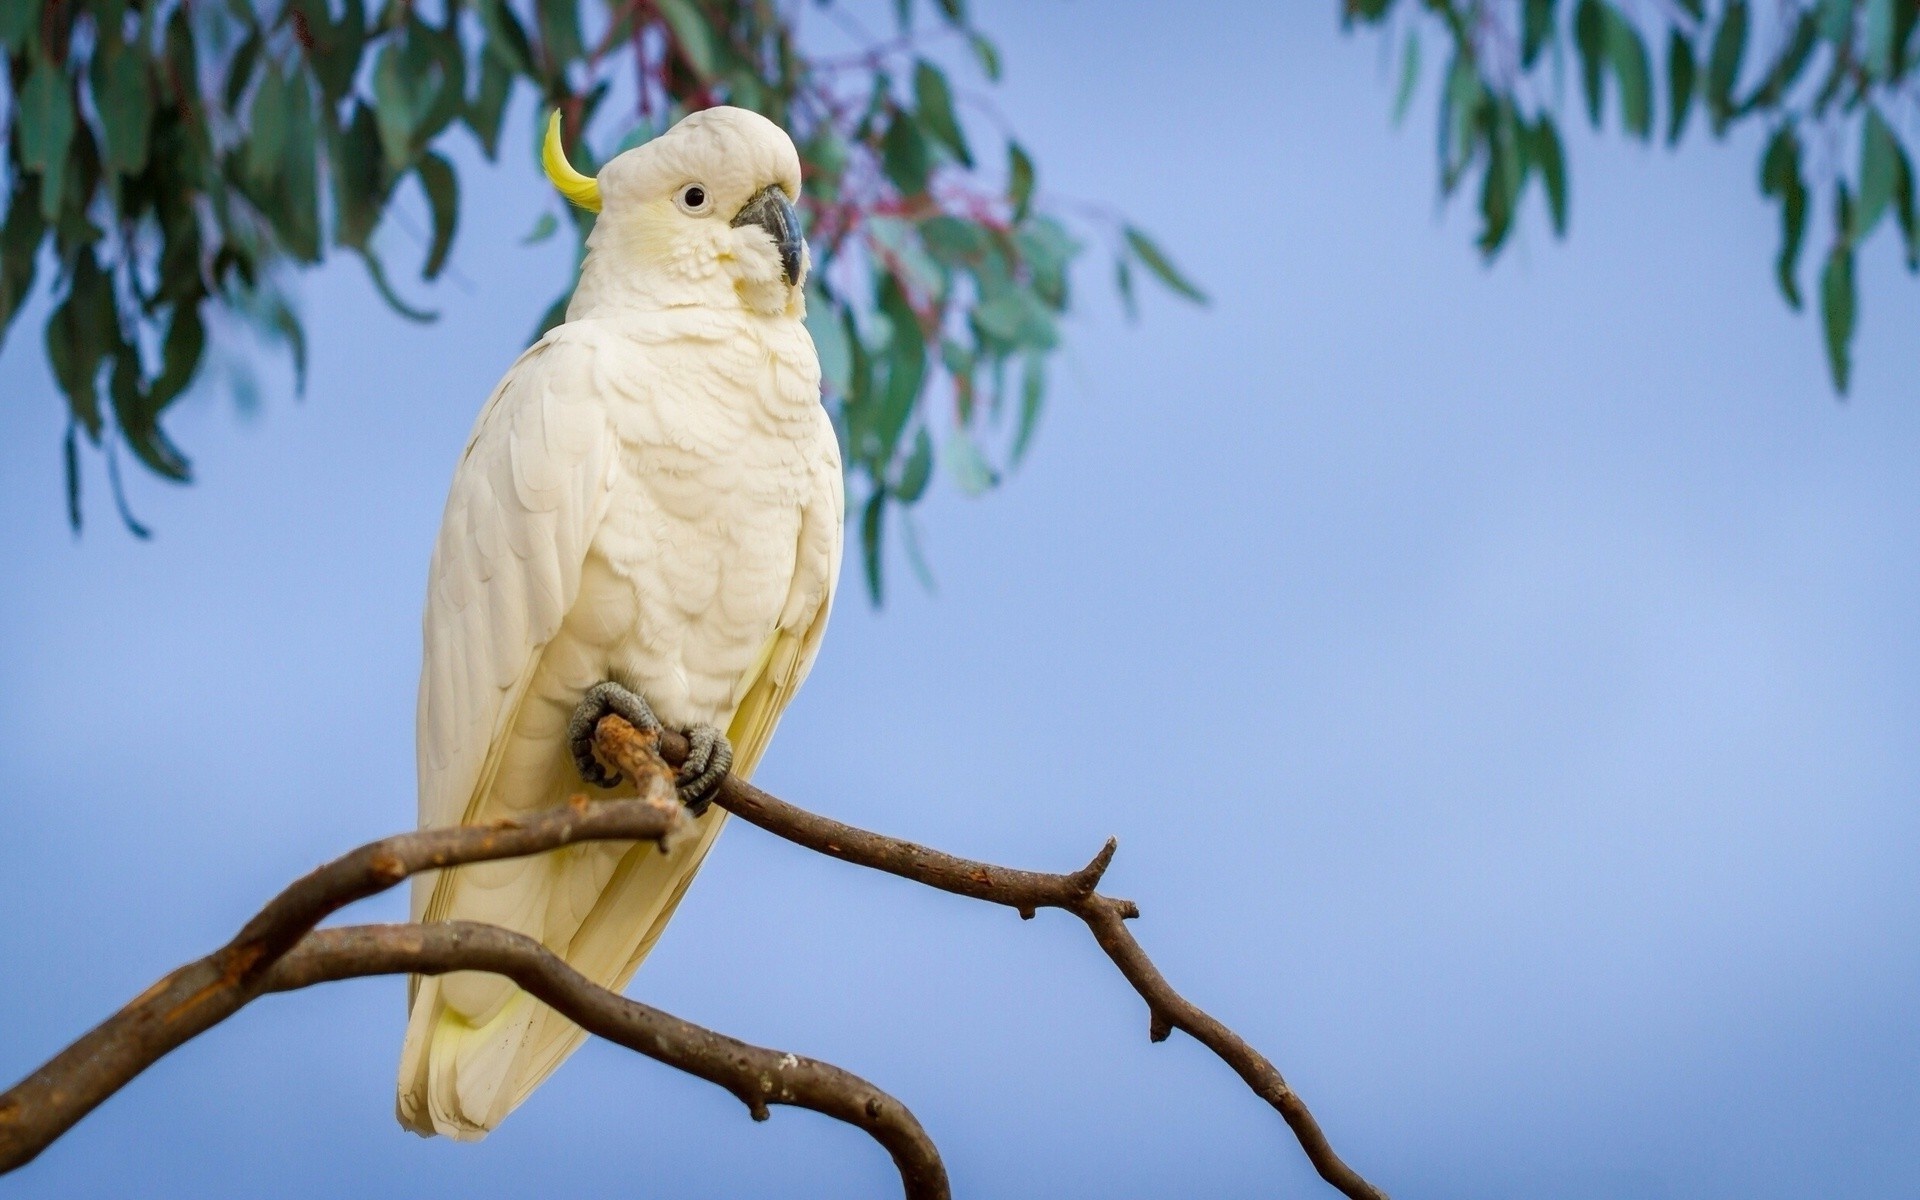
1820,75
171,165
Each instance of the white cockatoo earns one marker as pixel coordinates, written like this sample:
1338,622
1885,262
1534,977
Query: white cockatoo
648,513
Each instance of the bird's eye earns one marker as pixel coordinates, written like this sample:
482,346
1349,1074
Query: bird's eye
693,200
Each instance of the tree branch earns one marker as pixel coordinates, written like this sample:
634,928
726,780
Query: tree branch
280,950
756,1075
622,746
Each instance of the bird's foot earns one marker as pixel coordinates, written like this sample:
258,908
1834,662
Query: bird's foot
709,758
601,700
709,755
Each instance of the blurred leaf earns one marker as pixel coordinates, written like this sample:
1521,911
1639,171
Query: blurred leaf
1682,74
45,130
542,229
1536,28
986,54
1633,69
1723,62
1837,303
967,465
935,102
1881,160
917,471
905,155
124,99
19,22
692,34
1780,178
1155,260
1590,39
82,331
489,105
377,272
1409,74
1033,388
1020,180
443,198
1551,159
559,25
870,529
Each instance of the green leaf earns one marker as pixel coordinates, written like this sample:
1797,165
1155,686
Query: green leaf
1506,172
1409,75
559,24
1549,156
377,272
917,470
1682,82
1723,62
1882,57
692,34
543,229
124,99
267,127
967,465
870,528
1837,310
1786,68
1536,29
935,101
70,455
1881,160
45,130
359,179
506,37
20,236
1020,180
986,54
1590,38
487,110
83,330
1123,283
1155,260
1631,66
1461,105
1781,178
905,155
1033,389
240,69
19,23
443,197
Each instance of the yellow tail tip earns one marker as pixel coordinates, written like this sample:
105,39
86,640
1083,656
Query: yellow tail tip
583,190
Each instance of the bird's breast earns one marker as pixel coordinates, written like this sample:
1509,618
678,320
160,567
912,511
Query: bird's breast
698,549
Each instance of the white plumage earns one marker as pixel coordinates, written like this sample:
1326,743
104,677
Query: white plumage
652,495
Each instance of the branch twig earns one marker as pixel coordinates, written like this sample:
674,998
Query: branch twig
1026,891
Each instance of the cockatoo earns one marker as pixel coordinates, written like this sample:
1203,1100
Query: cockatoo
647,519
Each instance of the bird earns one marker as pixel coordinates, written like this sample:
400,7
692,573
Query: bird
647,519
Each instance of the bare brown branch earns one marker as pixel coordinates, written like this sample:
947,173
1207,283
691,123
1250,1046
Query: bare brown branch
280,950
1027,892
756,1075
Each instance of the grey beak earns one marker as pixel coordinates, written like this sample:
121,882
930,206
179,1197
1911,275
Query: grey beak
772,211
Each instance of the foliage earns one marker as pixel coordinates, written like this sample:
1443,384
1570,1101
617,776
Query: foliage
171,163
1831,81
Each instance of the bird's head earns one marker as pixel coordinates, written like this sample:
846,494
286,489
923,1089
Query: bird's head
701,214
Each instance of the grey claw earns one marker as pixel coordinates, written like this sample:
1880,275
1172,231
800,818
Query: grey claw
601,699
709,758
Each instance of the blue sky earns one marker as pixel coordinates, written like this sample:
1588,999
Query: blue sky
1502,681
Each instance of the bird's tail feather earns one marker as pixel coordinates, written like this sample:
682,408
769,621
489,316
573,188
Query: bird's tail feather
460,1079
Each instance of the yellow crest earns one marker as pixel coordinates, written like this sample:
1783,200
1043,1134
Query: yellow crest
583,190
